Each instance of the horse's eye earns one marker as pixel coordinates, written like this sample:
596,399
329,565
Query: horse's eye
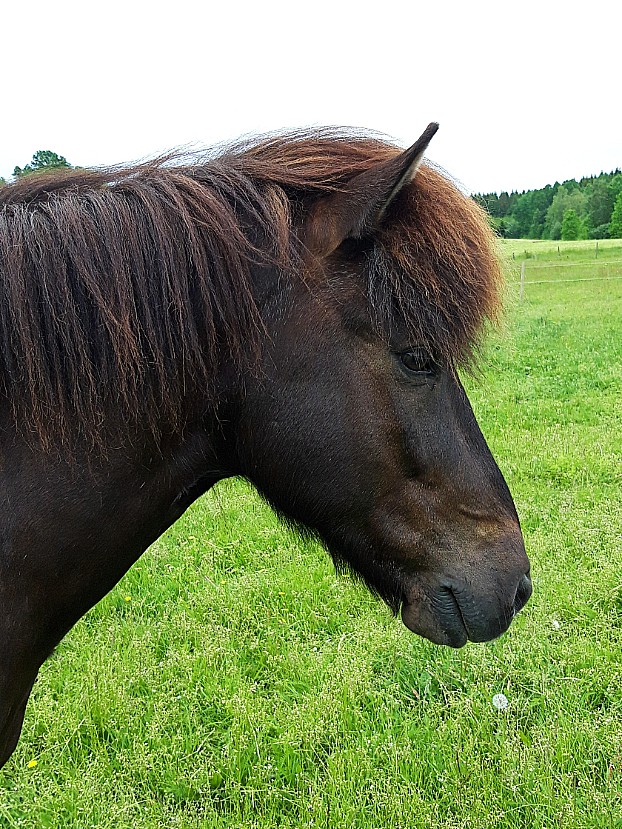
418,363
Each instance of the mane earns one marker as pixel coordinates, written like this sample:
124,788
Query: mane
122,290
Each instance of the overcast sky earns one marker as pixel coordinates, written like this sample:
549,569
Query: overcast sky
526,93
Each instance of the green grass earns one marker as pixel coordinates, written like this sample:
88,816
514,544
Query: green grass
552,250
545,261
232,680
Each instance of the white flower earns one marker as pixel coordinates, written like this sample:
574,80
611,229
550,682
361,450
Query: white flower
500,702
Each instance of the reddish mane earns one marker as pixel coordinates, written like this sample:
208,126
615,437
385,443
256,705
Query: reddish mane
120,288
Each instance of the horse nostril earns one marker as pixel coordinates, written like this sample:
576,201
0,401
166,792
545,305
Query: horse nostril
523,592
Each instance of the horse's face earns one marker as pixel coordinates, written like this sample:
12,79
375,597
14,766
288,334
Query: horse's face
363,438
376,448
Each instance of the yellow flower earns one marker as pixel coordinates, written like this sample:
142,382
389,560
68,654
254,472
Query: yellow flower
128,598
32,764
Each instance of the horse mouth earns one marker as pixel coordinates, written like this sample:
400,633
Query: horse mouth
453,615
446,625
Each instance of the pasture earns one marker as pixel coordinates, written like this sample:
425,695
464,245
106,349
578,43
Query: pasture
233,680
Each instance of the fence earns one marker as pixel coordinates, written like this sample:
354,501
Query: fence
614,265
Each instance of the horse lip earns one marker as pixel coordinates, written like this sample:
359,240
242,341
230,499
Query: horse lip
484,622
439,619
448,608
457,610
449,615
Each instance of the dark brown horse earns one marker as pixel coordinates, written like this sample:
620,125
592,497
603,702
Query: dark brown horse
292,310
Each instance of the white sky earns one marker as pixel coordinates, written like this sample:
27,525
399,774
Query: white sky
526,93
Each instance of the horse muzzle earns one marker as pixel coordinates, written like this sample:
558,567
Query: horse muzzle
454,612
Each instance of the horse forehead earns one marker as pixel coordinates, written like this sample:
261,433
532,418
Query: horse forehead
340,295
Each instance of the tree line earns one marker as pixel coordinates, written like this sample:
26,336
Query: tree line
590,208
41,161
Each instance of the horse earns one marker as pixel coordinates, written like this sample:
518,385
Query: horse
294,309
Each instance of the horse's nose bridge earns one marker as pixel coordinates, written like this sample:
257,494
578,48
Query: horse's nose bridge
480,517
490,526
478,487
474,478
486,522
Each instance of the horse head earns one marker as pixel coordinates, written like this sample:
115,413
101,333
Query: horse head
358,428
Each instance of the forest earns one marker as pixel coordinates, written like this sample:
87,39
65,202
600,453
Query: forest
590,208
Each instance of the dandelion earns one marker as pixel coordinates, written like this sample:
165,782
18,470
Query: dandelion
500,702
32,764
555,624
128,598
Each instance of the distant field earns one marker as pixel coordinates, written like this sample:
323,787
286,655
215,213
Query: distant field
232,680
545,261
545,248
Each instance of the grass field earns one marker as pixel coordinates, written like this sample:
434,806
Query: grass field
546,262
232,680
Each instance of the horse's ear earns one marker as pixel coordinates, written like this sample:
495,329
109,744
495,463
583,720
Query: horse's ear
356,210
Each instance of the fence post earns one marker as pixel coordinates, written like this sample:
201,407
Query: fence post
522,281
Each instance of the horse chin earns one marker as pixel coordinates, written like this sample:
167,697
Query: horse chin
446,628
